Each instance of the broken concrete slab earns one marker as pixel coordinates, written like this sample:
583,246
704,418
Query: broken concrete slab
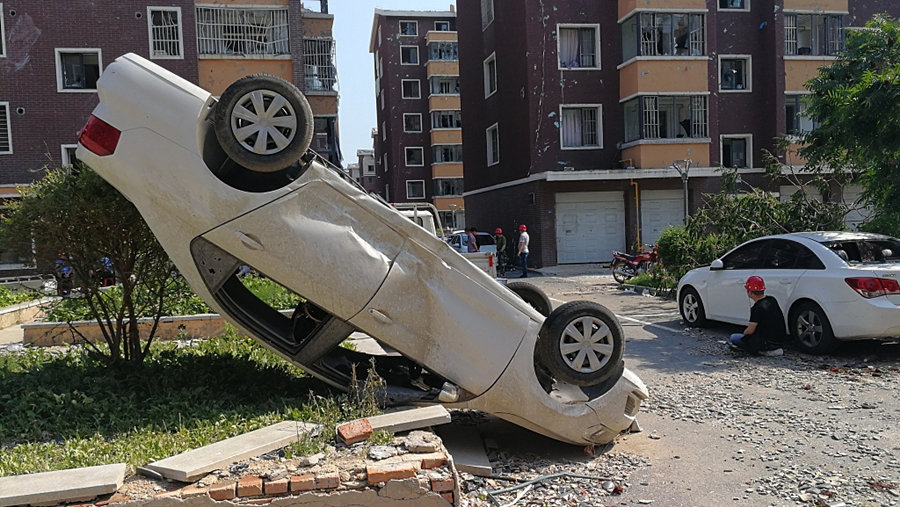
77,484
192,465
410,419
467,449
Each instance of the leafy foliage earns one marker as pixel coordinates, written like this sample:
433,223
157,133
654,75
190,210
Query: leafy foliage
9,297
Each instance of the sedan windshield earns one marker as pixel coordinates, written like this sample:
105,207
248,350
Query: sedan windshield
867,251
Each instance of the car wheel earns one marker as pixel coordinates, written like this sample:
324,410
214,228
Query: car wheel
532,295
619,271
692,308
811,330
263,123
581,343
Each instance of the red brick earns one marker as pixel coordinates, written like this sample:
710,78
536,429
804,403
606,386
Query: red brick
193,490
442,485
276,487
433,462
303,482
223,490
448,497
355,431
250,486
390,471
328,480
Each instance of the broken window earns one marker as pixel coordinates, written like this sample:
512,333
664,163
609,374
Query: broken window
734,73
448,153
441,26
409,28
493,144
444,85
415,189
664,34
409,55
735,151
580,127
415,156
449,119
443,50
487,13
319,57
813,34
78,70
5,129
448,187
165,32
578,47
412,123
224,31
411,89
666,117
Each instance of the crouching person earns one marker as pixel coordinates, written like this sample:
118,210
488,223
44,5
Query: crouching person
764,334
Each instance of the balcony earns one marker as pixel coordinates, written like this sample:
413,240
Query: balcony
443,102
663,76
798,72
816,5
627,6
447,170
448,203
436,36
446,136
649,155
442,68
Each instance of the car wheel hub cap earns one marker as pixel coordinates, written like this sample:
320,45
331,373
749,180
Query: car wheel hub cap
586,344
690,308
264,122
809,328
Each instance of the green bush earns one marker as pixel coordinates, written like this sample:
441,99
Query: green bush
9,297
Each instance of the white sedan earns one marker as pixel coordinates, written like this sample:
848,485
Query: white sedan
831,286
230,182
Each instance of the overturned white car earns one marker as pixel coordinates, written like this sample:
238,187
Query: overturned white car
230,182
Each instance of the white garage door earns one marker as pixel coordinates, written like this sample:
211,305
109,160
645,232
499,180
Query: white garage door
659,209
589,226
858,213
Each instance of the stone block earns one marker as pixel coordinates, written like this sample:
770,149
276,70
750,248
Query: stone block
410,419
61,486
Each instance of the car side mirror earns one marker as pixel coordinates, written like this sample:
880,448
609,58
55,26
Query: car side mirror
716,264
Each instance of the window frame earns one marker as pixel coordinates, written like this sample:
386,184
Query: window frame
797,100
791,22
420,123
493,130
487,6
643,114
492,58
409,149
212,39
153,56
408,196
436,29
745,8
748,73
58,52
454,114
599,131
749,143
2,33
9,138
639,42
407,46
418,88
437,160
64,154
597,44
437,186
414,22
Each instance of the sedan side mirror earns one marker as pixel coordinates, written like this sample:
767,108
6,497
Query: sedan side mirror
717,264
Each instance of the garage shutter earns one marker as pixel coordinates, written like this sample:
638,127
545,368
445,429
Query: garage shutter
589,226
858,213
659,209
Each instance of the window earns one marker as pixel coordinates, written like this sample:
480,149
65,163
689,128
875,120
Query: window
734,73
580,127
383,132
444,85
797,121
2,33
5,129
447,153
490,75
737,151
67,151
451,119
412,123
441,26
745,257
77,69
487,13
415,156
226,31
786,254
164,24
448,187
492,135
319,57
738,5
386,166
409,55
411,89
409,28
415,189
813,34
666,117
370,168
443,50
578,47
663,34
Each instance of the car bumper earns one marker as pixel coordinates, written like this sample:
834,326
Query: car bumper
866,319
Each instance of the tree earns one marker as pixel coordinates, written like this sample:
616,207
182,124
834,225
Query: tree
856,102
76,213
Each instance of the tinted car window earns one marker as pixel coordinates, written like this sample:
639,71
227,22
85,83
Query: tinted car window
745,257
876,251
786,254
483,238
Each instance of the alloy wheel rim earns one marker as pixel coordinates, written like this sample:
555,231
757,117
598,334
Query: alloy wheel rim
264,122
586,344
809,328
689,305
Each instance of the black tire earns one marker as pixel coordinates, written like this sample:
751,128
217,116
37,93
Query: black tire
263,123
619,271
570,338
691,307
531,295
811,329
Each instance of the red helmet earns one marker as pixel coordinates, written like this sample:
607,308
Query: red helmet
498,231
755,284
523,228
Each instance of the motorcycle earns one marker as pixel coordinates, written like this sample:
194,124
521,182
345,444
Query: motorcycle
625,266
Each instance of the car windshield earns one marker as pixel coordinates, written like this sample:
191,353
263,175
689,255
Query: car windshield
864,251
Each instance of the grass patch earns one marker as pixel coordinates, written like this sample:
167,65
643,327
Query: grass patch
63,409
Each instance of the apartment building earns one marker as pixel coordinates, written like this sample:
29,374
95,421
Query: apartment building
581,117
52,54
366,162
418,139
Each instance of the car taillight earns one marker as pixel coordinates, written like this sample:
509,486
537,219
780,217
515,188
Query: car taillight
869,287
99,137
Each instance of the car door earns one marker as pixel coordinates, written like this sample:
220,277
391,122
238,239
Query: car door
726,297
782,264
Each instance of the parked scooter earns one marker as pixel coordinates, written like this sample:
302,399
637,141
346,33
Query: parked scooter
625,266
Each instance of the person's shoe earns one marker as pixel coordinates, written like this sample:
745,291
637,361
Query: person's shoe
772,353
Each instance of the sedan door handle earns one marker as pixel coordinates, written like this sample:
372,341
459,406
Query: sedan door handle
249,241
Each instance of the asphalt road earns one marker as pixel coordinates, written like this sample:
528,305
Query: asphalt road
728,429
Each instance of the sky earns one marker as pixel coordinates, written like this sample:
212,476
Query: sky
356,74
